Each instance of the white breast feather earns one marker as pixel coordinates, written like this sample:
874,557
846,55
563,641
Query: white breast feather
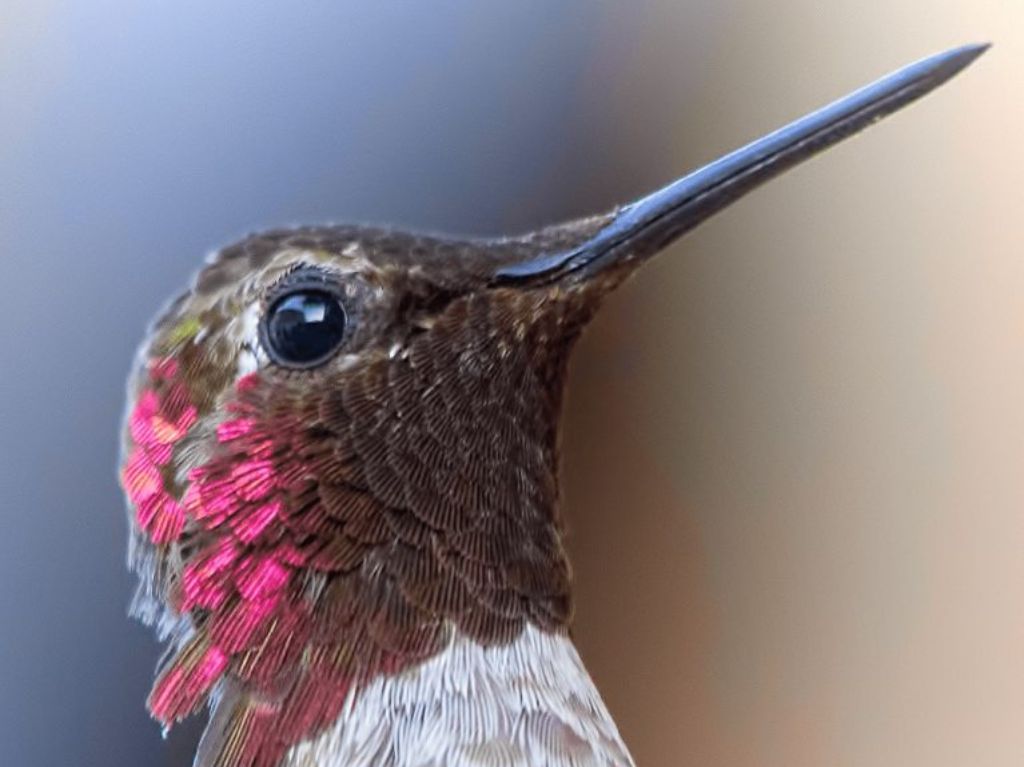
527,704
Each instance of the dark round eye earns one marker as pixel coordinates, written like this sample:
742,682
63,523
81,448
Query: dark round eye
303,328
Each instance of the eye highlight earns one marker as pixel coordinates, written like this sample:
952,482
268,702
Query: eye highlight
304,324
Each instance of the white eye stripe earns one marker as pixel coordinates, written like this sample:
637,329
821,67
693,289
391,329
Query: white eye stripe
243,332
248,362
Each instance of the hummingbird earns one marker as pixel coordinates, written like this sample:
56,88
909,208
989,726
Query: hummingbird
340,459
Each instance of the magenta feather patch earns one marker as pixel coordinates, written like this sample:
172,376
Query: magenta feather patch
162,415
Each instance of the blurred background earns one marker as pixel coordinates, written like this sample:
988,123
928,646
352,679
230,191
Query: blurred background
793,446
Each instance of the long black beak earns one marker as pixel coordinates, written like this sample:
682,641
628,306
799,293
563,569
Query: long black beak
644,227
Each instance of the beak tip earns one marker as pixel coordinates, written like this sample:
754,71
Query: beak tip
957,59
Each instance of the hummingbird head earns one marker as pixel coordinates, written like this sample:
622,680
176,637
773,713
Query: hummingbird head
340,450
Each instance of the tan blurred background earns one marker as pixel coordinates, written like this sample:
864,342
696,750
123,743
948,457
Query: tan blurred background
795,445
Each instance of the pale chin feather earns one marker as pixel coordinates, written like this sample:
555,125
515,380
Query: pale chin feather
530,703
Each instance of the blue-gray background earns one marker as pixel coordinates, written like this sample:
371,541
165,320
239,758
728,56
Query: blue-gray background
745,423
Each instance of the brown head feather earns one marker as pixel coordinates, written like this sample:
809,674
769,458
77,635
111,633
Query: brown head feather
314,529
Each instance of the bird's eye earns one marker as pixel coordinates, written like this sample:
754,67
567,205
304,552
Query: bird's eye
303,327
